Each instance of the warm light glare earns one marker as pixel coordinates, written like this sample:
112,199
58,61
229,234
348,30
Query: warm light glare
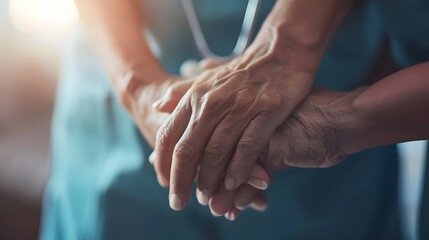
43,15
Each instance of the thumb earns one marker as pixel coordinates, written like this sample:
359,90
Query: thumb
171,98
259,177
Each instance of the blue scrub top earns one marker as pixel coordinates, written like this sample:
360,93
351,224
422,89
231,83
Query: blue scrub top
102,186
409,37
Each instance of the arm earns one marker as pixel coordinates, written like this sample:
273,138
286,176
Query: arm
393,110
229,106
115,28
330,125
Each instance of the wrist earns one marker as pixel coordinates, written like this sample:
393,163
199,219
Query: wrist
129,85
352,125
300,31
278,45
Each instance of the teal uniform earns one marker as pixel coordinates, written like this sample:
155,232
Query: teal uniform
408,30
103,187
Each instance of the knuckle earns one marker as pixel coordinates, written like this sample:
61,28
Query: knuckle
248,145
183,153
212,157
212,104
198,90
162,139
213,101
239,169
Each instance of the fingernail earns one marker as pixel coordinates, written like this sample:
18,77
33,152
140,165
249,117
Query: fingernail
202,198
152,157
175,202
259,208
232,216
240,207
258,183
157,104
214,214
230,183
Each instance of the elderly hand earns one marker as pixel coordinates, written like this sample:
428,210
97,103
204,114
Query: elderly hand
230,112
312,136
249,194
308,138
226,119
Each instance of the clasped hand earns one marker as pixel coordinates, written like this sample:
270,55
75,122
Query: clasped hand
233,128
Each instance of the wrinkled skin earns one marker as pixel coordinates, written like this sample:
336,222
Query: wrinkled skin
249,194
220,124
149,120
308,138
235,101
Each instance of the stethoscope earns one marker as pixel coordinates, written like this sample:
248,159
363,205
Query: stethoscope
191,67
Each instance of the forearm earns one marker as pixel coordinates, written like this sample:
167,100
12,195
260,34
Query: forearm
394,110
115,28
297,32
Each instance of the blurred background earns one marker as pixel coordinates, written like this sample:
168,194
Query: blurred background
32,35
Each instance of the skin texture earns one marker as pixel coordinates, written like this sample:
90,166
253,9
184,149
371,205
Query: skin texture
249,194
114,27
139,80
230,112
328,125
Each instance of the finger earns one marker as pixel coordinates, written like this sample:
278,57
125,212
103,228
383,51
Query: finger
244,196
249,147
259,180
259,203
167,137
172,97
259,177
222,200
217,154
187,153
232,214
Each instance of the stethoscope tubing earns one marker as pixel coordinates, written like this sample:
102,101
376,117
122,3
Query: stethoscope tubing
243,40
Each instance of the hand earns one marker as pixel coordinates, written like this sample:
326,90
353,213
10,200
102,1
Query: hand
224,116
249,194
139,96
310,137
